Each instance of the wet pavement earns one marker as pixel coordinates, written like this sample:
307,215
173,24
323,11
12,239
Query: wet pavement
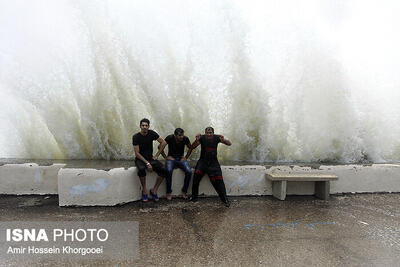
347,230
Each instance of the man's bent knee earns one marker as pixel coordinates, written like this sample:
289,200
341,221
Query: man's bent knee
142,173
169,166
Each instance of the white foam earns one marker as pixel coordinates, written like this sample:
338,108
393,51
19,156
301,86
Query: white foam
282,84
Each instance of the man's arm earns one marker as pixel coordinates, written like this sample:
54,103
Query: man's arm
162,152
196,142
139,156
188,152
160,147
224,141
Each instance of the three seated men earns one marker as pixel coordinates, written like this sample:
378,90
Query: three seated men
207,164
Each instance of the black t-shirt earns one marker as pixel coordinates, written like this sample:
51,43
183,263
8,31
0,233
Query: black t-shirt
209,147
176,149
145,143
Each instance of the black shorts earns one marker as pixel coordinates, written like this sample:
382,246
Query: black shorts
211,168
158,167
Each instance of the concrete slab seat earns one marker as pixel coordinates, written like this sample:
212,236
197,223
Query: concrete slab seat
93,187
279,182
29,179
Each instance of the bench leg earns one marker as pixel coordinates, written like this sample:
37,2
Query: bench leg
322,190
279,189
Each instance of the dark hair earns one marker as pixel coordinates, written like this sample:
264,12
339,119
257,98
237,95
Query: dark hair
178,131
209,128
145,120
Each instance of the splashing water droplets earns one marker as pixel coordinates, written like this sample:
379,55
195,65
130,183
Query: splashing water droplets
76,77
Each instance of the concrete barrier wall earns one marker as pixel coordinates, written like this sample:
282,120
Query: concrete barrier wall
90,187
243,180
360,179
29,178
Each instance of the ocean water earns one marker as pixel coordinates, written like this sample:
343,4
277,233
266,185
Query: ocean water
285,81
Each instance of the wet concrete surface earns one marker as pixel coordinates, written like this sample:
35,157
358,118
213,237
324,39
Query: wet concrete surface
110,164
347,230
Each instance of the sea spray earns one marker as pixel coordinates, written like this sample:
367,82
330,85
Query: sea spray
320,84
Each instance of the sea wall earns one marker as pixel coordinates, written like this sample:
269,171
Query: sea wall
93,187
29,178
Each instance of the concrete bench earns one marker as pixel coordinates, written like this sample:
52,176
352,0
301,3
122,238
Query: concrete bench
279,182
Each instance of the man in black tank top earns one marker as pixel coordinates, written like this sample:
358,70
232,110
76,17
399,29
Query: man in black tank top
208,164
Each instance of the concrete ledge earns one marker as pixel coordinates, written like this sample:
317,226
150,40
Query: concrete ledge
29,178
241,181
85,186
364,179
90,187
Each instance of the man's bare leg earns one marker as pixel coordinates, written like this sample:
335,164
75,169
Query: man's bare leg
143,182
157,184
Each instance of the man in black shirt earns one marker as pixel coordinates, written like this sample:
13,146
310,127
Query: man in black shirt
143,147
176,146
208,163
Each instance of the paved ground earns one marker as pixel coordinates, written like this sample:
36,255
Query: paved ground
348,230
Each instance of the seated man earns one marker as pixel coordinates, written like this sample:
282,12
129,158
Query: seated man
143,147
176,146
208,163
